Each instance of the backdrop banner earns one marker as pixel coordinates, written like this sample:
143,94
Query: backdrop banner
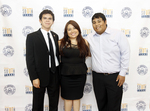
21,17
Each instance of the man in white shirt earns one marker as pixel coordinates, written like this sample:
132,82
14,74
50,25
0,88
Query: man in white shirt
110,61
42,58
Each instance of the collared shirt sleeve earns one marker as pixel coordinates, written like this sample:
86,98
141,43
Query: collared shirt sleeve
125,54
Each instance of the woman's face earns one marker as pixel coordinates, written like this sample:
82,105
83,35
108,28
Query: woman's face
72,31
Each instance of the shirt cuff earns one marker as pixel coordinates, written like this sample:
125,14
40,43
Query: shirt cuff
122,72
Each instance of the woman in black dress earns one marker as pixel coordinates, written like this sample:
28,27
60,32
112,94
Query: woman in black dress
73,50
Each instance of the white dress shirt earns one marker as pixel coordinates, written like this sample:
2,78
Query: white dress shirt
109,51
44,32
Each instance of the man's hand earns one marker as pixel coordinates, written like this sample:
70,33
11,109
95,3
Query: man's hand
36,83
121,80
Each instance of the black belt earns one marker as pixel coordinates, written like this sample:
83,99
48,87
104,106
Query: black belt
106,74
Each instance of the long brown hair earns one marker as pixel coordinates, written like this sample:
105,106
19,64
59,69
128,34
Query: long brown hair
84,49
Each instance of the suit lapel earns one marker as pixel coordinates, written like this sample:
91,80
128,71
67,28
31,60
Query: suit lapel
40,35
54,37
56,42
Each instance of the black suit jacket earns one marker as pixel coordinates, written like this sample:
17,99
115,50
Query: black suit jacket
37,56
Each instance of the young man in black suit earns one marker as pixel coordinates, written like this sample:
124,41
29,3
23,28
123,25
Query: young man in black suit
42,58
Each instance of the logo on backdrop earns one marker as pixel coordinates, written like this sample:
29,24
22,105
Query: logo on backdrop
5,10
10,109
9,72
46,108
126,12
142,70
8,51
85,32
144,32
48,8
9,89
28,107
124,107
141,105
68,12
87,12
125,87
26,71
89,71
87,88
86,107
27,30
108,13
28,89
7,32
27,12
141,87
127,32
145,13
143,51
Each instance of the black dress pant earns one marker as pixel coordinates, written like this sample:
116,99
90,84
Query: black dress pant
108,94
53,94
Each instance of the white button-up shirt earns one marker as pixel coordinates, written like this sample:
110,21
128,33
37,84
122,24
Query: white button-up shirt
109,51
44,32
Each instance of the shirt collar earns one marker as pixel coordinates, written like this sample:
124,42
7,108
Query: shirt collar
107,31
44,31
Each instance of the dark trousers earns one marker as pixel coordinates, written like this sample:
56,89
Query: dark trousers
108,94
53,94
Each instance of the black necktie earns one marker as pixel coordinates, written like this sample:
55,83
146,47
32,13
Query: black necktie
53,66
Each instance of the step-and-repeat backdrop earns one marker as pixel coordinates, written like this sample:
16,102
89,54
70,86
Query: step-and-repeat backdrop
20,17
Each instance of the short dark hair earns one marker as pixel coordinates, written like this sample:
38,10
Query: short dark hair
99,15
46,12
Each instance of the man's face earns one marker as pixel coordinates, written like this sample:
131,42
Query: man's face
46,21
99,25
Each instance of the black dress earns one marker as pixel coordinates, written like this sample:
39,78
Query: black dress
73,73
